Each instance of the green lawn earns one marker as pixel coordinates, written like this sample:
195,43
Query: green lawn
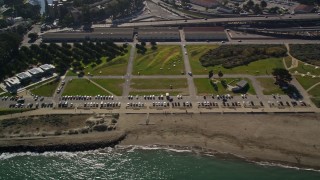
158,83
316,101
204,86
12,111
269,87
304,69
116,66
261,67
315,92
194,53
288,61
113,85
82,87
307,81
166,60
46,90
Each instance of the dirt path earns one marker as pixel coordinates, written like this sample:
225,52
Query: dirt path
294,61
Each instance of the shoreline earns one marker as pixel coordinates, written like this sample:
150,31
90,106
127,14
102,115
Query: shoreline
278,139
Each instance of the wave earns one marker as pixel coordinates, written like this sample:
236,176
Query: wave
119,149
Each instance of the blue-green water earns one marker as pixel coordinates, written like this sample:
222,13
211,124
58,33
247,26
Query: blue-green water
138,164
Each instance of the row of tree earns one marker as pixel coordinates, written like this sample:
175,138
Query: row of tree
308,53
14,60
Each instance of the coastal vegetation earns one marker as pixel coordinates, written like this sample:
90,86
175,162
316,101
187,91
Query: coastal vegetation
259,67
164,60
230,56
308,53
13,111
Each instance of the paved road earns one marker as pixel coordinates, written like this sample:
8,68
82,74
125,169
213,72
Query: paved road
126,87
297,17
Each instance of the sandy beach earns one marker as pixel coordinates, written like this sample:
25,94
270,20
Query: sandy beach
289,139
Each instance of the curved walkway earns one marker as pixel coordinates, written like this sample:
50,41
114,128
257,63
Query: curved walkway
294,61
310,88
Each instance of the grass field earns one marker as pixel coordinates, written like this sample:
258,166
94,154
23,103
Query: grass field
261,67
288,61
166,60
194,53
117,66
307,81
269,87
315,92
305,68
12,111
158,83
113,85
46,90
82,87
316,101
204,86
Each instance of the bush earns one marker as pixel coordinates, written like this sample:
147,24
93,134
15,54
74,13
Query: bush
230,56
100,127
308,53
57,133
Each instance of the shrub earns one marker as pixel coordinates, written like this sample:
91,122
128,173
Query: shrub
237,55
100,127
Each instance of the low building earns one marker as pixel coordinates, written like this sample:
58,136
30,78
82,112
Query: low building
101,34
12,83
48,68
240,86
24,77
36,72
205,33
159,34
302,8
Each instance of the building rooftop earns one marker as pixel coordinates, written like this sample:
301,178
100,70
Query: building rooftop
24,75
242,83
12,81
47,67
35,71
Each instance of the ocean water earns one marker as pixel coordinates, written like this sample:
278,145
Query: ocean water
137,163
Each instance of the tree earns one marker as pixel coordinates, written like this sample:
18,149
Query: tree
220,74
282,75
210,74
256,9
33,36
250,4
224,83
263,4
